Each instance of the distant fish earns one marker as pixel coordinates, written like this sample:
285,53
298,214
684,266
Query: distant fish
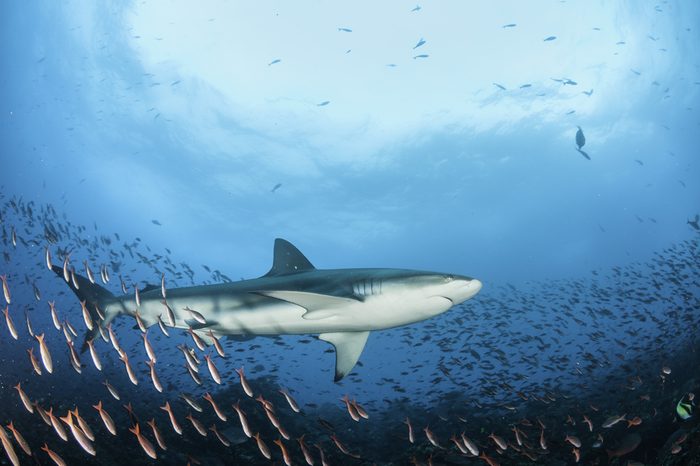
635,71
323,104
580,138
549,39
348,51
596,29
628,444
421,56
510,25
694,223
588,93
639,162
175,83
344,30
501,87
416,8
391,65
570,112
156,222
274,62
420,42
276,187
622,42
525,86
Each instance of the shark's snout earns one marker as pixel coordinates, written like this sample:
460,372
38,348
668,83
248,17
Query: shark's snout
466,289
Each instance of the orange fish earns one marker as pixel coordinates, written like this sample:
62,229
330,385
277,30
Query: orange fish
143,441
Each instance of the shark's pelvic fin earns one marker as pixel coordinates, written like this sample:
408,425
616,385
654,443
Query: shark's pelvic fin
348,347
318,306
287,259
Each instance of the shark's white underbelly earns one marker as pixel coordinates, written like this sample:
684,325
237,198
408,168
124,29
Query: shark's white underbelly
267,316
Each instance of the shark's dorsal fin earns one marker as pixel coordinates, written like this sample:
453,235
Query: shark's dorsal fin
348,347
288,259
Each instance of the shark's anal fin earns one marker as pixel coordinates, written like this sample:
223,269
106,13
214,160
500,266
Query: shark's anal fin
318,306
348,347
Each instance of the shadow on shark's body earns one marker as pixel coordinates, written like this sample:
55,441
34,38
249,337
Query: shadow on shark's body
342,305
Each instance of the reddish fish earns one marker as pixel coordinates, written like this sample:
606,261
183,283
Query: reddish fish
143,441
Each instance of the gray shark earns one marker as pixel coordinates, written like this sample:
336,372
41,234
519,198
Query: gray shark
342,306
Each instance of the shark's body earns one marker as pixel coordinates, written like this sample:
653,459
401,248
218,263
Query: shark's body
342,305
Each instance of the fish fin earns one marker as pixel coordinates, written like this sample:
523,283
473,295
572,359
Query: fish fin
287,259
318,306
149,287
584,154
348,348
93,295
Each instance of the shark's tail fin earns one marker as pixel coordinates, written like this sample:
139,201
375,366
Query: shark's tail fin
94,296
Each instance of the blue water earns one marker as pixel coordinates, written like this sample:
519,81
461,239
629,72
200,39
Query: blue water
153,134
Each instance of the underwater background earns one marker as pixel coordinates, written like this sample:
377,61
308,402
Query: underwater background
179,139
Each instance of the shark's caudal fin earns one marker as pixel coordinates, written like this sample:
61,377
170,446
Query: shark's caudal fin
94,295
348,347
287,259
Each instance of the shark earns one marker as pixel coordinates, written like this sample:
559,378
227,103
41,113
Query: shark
341,306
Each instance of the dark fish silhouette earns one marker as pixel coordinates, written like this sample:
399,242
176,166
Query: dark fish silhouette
628,444
550,38
501,87
344,30
584,154
694,223
421,56
156,222
276,187
323,104
274,62
420,42
580,138
511,25
417,8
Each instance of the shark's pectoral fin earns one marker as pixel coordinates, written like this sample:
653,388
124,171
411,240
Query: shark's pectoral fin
318,306
348,347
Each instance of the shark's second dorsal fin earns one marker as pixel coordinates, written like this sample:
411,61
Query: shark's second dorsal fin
288,259
149,287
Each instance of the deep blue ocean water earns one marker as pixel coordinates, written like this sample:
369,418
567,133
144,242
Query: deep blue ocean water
150,138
